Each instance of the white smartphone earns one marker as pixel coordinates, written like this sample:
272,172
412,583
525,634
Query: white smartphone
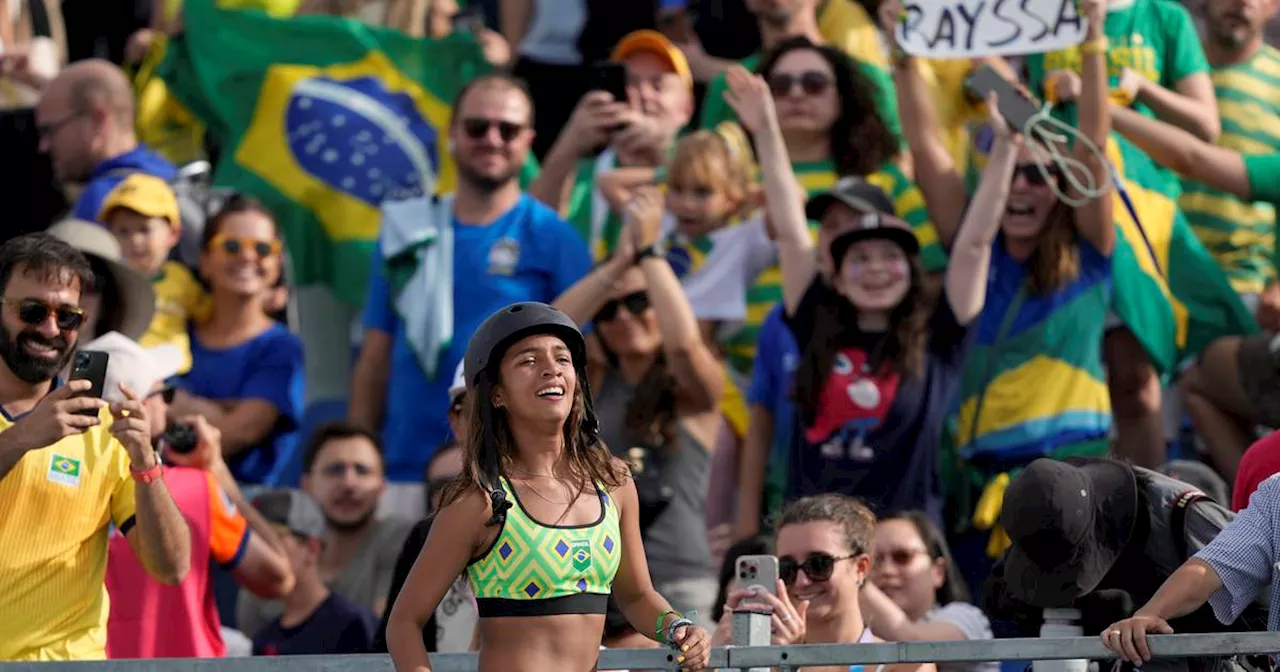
759,570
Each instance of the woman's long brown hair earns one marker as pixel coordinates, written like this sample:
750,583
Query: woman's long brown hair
588,464
903,348
1056,259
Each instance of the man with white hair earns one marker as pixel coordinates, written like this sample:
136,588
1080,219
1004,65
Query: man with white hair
152,620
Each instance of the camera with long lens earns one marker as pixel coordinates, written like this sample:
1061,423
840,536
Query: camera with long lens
178,437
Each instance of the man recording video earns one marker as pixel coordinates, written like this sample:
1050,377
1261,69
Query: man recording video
152,620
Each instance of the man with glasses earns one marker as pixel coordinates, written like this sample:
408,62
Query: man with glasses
149,619
443,265
85,119
343,473
70,466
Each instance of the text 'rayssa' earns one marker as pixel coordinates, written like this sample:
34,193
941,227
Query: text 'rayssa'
963,28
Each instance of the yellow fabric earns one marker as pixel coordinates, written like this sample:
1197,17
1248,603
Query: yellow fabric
162,122
179,299
955,110
998,543
58,502
844,24
733,405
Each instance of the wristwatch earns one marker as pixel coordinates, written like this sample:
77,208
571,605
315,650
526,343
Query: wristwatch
654,250
149,475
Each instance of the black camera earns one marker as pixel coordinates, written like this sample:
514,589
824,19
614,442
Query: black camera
179,438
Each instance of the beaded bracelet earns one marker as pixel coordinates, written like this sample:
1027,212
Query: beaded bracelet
657,625
676,625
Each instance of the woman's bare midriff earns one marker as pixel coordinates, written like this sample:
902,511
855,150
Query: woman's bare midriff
568,643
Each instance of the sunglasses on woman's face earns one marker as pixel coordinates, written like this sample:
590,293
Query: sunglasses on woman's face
635,303
232,245
477,128
34,312
899,556
818,567
1031,173
811,82
167,393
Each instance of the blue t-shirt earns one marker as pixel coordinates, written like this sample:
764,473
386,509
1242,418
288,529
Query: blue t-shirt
267,367
771,384
109,173
336,627
877,433
527,254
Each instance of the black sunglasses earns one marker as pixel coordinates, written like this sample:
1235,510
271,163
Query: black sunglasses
818,567
1031,173
811,82
34,312
635,303
477,128
168,392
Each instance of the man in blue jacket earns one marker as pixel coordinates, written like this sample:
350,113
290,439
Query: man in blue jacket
86,124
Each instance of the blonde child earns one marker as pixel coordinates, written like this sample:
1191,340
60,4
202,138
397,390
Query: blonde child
142,213
714,230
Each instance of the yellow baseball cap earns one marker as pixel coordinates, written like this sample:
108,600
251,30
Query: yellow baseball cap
144,194
656,43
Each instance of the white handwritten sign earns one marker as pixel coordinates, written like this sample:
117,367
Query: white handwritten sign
969,28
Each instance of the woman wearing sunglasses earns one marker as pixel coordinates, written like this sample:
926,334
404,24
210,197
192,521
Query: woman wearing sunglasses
824,546
246,368
1034,384
916,591
658,388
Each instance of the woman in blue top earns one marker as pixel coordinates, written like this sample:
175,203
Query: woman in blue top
543,521
246,368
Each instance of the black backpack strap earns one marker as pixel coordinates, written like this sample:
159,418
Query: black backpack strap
1178,521
39,19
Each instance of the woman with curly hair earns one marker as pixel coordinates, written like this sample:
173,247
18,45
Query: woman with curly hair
880,353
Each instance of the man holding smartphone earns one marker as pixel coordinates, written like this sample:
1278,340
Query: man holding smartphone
606,132
65,476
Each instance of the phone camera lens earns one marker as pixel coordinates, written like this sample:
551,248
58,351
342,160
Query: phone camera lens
82,360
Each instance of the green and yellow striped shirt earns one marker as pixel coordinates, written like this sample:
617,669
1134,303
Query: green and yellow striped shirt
1241,235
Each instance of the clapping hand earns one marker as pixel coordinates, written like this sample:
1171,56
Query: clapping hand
750,98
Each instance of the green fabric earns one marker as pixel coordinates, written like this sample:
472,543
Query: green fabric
1241,235
581,212
716,110
1155,38
238,74
1041,376
1264,185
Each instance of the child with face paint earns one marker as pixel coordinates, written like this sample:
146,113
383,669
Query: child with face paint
880,351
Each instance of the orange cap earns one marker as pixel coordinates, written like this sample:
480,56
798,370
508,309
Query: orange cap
653,42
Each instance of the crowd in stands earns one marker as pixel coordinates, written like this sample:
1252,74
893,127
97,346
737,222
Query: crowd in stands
838,310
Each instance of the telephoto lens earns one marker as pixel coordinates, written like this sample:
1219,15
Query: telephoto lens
179,438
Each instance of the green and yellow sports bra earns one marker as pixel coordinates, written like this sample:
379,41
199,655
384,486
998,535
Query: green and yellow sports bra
535,569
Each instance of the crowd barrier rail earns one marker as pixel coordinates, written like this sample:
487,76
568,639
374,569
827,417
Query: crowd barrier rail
747,658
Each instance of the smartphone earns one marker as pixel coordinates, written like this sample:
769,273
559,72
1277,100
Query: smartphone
1015,107
759,570
90,365
611,78
470,20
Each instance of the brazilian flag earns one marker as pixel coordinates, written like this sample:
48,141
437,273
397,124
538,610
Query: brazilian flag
321,118
1168,289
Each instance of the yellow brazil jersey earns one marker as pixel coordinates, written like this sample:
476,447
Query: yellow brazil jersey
57,504
179,299
845,25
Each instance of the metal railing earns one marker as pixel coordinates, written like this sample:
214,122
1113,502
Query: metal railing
748,658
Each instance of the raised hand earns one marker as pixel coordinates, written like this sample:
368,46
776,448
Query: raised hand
889,13
750,98
644,216
998,123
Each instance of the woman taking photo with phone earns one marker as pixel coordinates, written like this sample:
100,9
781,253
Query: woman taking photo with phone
824,546
544,521
881,355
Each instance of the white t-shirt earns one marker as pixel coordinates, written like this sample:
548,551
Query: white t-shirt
738,254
